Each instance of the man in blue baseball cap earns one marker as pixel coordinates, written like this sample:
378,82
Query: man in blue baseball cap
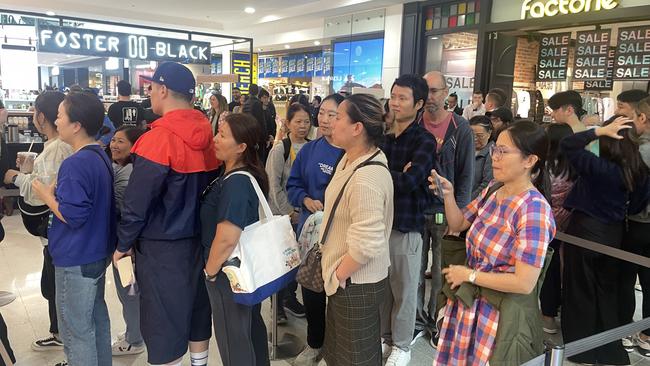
172,164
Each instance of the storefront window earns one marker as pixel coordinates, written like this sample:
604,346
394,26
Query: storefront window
454,55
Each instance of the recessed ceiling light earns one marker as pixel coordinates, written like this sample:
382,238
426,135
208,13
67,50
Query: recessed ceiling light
50,13
287,46
249,10
434,37
316,43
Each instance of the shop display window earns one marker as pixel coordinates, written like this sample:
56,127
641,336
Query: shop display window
453,15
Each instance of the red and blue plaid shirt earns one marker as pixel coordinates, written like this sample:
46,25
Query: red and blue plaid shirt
517,229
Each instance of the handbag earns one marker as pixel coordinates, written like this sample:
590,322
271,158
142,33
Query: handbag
266,257
35,218
310,273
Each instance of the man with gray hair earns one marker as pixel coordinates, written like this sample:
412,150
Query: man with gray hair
455,162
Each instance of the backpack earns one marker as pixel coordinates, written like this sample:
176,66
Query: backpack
286,143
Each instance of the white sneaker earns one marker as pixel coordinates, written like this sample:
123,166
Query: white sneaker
309,357
629,344
123,348
398,357
385,350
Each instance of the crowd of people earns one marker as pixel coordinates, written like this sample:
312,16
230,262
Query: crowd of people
396,196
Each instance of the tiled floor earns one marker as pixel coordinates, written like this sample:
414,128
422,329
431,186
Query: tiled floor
26,317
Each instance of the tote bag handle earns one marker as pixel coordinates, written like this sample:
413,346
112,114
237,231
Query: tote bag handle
263,203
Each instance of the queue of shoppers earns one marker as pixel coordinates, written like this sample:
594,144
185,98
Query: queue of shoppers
480,200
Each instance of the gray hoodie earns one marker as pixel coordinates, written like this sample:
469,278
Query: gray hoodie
644,148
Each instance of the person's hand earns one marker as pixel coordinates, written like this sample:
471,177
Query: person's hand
313,205
119,255
42,191
456,275
341,280
295,216
447,187
612,129
9,176
407,167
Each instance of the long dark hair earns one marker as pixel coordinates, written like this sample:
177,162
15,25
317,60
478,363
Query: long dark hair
625,153
48,103
531,139
246,130
557,163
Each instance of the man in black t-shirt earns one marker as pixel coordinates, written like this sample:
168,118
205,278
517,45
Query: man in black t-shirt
125,111
236,94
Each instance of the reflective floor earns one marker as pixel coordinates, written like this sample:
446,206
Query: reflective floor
20,270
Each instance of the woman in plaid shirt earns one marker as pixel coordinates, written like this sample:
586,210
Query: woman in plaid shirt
509,232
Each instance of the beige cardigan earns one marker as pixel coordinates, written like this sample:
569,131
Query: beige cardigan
362,221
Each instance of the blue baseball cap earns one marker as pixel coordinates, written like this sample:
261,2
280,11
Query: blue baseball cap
175,77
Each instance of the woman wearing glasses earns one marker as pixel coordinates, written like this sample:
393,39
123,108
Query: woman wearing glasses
311,172
510,226
483,166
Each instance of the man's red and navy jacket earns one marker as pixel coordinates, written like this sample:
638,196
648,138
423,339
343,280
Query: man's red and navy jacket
172,165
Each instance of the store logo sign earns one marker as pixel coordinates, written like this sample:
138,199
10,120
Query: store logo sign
549,8
88,42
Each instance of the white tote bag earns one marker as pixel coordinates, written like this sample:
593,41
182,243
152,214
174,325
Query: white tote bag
266,258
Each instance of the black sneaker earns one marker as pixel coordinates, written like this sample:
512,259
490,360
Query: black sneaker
417,335
62,363
293,307
47,344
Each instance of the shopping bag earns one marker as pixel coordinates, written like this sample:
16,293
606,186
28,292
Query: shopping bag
266,258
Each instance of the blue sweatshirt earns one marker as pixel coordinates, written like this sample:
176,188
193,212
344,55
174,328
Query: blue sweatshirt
85,195
310,174
600,190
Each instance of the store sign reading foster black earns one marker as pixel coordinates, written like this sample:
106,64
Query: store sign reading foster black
553,57
592,54
633,54
77,41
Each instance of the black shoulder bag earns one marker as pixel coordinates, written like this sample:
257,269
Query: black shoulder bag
310,272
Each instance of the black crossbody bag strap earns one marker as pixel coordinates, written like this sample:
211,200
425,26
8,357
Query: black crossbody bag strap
338,198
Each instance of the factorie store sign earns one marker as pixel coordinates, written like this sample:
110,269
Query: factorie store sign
87,42
549,8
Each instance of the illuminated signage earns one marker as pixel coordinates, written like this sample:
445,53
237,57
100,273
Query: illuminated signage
549,8
87,42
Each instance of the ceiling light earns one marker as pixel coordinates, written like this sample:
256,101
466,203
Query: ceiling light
316,43
249,10
434,37
287,46
259,50
50,13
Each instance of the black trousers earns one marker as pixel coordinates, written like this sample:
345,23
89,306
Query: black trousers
315,311
636,240
591,281
48,289
239,329
550,296
287,293
5,341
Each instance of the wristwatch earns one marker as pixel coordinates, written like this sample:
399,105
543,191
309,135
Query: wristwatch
209,277
472,276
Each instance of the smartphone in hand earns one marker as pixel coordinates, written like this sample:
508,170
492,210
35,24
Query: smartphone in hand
438,189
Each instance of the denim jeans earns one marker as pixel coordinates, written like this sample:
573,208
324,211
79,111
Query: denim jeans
84,325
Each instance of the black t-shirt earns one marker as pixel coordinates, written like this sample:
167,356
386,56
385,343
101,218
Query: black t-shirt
232,105
234,200
125,113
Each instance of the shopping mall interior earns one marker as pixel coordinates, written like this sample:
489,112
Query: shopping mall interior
529,49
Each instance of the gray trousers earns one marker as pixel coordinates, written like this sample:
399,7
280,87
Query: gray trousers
130,310
431,237
400,305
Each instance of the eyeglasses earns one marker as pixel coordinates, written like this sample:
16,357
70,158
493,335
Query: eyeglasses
435,90
496,152
481,135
